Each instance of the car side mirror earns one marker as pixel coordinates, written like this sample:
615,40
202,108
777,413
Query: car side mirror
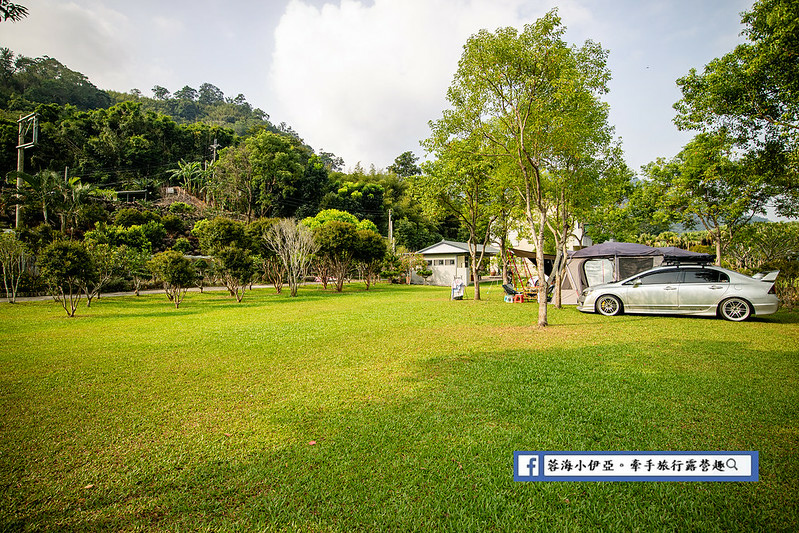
637,283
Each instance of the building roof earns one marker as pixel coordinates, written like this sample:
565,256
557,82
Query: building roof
453,247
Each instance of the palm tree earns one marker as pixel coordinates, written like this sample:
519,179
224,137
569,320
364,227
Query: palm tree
15,12
74,195
38,190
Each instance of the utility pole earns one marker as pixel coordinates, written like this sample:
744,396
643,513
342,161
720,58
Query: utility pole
215,146
26,124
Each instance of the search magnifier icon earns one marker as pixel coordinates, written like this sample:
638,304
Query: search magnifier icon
732,464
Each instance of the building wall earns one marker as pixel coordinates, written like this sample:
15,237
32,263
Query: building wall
445,268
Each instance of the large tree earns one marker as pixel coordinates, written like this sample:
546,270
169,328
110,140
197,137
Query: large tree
574,179
464,183
753,94
706,182
278,164
515,90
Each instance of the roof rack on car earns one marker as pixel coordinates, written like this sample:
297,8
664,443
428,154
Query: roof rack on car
678,261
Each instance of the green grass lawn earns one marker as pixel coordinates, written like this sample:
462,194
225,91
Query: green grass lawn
393,409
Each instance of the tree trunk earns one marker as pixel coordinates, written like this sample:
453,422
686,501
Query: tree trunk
475,279
539,259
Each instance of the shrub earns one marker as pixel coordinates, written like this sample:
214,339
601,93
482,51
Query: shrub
173,224
182,245
155,233
128,216
181,208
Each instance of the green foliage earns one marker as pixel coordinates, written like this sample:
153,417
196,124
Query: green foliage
367,224
173,224
109,263
154,232
132,237
404,165
328,215
130,216
270,174
704,182
175,271
181,208
214,235
752,93
67,267
370,250
38,237
135,265
279,165
45,80
12,12
415,235
182,245
764,243
207,105
363,200
255,233
522,101
236,268
337,243
13,261
391,267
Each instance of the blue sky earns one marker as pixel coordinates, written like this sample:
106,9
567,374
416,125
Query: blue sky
362,79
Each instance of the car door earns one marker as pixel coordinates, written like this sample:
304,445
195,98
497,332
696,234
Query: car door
702,288
653,292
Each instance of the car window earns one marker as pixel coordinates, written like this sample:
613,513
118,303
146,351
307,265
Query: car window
656,278
705,276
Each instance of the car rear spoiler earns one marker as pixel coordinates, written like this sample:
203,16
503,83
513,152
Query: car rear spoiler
764,276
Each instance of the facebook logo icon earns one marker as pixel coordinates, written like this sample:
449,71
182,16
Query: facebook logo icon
526,465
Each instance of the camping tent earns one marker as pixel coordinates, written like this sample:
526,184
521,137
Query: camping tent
615,261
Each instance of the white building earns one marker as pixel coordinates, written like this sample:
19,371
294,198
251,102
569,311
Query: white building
448,260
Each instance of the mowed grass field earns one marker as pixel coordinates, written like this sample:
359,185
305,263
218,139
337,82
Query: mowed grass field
394,409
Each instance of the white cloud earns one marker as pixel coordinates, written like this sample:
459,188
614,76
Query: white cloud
84,38
362,81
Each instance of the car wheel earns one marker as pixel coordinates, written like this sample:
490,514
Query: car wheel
608,305
735,309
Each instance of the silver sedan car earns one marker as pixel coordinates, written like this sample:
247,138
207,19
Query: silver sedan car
685,290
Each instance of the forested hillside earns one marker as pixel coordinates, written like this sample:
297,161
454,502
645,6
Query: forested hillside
220,149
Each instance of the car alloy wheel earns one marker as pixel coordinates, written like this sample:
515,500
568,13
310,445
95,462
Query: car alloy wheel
608,305
735,309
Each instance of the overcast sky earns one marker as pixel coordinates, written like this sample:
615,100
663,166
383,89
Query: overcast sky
362,78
